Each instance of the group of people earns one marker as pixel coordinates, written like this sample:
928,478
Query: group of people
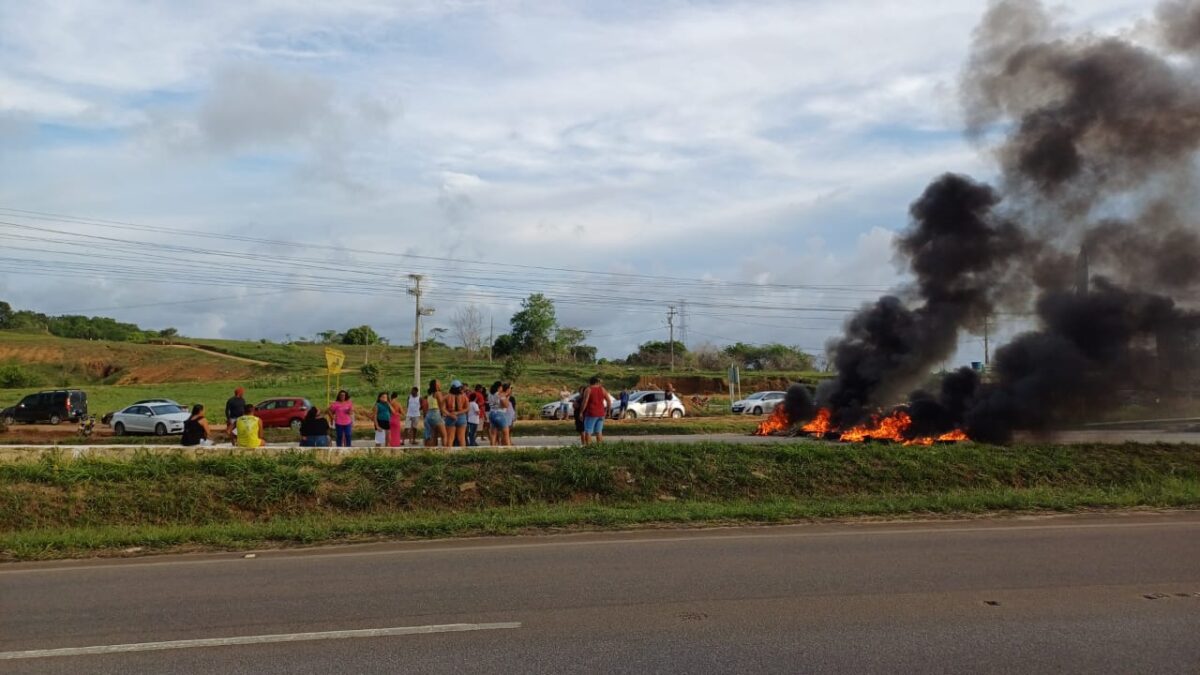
451,418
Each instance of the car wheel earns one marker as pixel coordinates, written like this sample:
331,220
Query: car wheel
630,415
160,429
676,413
119,429
295,424
9,420
55,419
758,410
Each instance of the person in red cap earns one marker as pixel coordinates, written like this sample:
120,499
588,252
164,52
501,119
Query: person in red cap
234,408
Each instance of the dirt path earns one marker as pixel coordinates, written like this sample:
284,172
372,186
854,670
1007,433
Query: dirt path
213,352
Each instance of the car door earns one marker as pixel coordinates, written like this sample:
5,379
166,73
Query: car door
651,404
268,412
140,419
772,400
27,409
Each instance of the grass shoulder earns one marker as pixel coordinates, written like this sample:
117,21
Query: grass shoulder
54,506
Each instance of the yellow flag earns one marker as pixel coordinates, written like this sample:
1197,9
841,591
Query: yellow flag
334,358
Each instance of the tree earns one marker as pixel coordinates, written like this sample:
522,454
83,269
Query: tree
504,345
568,344
773,356
361,335
468,328
168,333
657,353
6,315
514,366
533,325
329,337
437,338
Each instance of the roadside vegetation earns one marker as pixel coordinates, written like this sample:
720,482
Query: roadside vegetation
54,506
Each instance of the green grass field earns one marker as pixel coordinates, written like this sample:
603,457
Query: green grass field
53,506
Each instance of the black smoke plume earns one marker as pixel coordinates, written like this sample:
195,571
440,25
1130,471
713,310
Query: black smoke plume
1093,225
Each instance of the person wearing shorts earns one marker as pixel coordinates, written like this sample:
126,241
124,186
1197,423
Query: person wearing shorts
435,426
412,415
595,404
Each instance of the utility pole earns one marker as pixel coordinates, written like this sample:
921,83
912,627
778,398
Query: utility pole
671,325
987,354
491,338
415,291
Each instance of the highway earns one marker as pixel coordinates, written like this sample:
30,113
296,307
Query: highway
1115,593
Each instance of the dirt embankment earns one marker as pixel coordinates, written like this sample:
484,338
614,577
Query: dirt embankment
87,362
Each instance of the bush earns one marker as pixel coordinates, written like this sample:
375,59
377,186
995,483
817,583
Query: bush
370,373
16,377
514,366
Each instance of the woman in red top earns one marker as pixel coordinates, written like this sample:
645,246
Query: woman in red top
595,409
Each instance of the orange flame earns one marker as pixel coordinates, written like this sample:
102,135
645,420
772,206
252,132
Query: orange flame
778,421
892,427
821,424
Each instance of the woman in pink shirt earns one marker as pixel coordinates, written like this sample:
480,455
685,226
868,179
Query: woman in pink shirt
343,418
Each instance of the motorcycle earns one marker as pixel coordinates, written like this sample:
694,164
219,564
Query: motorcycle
87,426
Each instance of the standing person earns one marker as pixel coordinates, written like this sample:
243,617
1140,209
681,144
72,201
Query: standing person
343,418
412,416
235,407
195,429
249,430
564,403
498,416
668,400
624,403
456,410
493,407
595,405
481,397
473,417
314,430
578,413
435,426
396,432
382,417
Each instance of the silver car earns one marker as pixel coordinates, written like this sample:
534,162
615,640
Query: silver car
160,419
758,403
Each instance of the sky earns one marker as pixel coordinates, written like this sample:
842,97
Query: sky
275,168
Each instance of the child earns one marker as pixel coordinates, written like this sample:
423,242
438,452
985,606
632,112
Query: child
472,423
412,415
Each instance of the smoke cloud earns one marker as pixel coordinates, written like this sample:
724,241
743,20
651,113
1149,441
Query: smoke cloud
1092,225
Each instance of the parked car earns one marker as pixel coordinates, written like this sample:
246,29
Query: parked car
149,401
48,406
160,419
282,412
649,404
758,403
554,411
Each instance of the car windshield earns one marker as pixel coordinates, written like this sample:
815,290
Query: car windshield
756,395
165,409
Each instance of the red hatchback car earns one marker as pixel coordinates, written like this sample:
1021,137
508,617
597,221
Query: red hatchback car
282,412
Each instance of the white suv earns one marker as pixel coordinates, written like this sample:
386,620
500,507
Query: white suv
649,404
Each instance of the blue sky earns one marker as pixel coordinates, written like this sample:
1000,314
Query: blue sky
763,143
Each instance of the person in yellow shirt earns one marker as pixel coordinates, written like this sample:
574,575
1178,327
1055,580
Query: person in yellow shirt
249,430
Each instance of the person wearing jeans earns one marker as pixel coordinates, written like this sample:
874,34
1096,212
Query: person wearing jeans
343,418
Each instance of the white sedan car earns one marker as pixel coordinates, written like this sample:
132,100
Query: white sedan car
758,403
649,404
159,419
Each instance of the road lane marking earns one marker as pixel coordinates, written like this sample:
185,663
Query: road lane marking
256,639
492,544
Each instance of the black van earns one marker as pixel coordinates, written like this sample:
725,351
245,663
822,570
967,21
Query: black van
48,406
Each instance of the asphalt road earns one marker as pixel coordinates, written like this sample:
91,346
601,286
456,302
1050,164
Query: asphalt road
1069,594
